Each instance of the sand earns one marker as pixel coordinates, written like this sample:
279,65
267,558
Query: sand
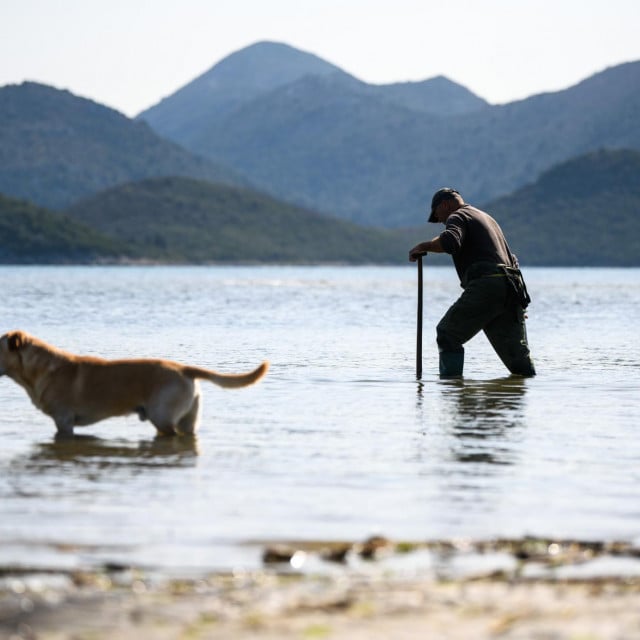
272,603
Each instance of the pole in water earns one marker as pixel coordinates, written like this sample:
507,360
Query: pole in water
419,333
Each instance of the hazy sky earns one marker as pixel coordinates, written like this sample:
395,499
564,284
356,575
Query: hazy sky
128,54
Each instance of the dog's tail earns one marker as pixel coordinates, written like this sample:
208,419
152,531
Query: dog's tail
227,380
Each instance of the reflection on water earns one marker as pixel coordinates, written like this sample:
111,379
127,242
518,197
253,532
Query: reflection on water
163,451
84,450
89,458
483,417
471,449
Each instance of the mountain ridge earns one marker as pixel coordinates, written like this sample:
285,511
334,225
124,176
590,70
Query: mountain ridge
553,221
56,147
266,66
185,220
327,142
582,211
218,90
338,145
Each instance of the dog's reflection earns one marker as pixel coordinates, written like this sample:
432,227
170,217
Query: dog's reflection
91,451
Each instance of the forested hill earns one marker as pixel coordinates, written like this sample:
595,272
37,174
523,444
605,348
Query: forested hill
373,154
584,212
185,220
252,74
31,234
56,147
323,140
581,213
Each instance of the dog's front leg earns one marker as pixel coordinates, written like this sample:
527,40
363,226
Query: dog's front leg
64,424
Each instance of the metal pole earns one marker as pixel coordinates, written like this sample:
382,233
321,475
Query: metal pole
419,336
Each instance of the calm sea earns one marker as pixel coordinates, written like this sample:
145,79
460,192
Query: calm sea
339,441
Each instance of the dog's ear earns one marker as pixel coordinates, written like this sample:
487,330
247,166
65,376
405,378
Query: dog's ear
15,341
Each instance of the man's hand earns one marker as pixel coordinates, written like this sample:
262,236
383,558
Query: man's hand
417,251
430,246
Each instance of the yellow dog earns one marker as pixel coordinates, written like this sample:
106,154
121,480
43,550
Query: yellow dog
79,390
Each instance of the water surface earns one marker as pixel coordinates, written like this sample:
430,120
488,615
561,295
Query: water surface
339,441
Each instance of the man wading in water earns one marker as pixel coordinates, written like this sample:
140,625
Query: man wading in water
494,296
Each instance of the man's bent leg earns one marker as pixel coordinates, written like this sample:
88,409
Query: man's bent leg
508,336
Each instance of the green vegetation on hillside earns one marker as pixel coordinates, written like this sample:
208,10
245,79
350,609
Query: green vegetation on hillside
583,212
56,147
306,133
184,220
29,234
374,154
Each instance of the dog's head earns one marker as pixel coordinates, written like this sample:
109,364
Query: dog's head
11,346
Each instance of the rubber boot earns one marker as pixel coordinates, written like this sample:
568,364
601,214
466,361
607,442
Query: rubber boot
451,364
523,367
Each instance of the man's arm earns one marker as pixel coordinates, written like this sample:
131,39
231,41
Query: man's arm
430,246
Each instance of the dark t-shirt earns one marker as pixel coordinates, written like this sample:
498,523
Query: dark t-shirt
472,235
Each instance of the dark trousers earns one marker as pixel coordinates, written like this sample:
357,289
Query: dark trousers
485,304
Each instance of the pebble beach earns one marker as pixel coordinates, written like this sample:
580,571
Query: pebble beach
538,599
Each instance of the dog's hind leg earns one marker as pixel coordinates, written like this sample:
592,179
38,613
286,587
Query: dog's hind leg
164,429
188,424
169,405
163,421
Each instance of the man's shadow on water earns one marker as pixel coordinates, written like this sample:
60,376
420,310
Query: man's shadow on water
484,416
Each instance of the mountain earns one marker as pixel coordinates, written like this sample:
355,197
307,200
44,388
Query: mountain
185,220
303,131
581,212
56,147
31,234
374,155
264,67
330,143
237,79
516,142
436,96
311,144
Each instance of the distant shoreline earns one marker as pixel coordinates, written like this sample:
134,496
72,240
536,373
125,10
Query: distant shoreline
251,263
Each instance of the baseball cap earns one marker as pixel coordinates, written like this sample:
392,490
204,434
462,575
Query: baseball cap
446,193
